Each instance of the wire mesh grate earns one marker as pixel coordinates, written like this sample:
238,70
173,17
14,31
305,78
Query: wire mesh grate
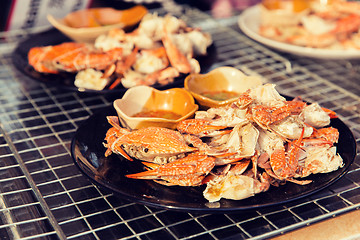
43,194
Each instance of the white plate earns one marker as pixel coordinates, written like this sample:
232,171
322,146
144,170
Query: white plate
249,22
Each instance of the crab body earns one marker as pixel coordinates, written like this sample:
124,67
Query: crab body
152,144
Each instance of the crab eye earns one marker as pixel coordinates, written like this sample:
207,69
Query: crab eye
146,150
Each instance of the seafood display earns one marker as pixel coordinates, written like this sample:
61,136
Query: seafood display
156,52
333,25
235,151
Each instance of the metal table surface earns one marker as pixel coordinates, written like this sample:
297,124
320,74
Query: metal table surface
43,194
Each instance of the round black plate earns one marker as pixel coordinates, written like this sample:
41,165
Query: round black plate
88,153
66,80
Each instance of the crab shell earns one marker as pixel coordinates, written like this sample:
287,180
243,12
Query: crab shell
152,144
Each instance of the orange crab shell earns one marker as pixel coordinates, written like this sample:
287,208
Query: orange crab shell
71,57
146,143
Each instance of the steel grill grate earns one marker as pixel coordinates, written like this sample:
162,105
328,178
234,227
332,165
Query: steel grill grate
43,194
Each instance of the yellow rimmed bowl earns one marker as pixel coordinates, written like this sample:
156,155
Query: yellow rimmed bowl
175,102
220,86
87,24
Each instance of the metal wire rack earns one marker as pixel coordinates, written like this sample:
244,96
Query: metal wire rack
43,195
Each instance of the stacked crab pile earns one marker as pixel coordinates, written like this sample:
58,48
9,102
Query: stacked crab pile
329,24
159,50
236,150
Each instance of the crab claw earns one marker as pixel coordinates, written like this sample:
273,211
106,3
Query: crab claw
188,171
111,136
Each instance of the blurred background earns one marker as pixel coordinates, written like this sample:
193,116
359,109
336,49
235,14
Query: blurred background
24,14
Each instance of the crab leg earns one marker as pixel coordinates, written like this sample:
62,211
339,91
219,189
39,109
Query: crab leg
299,182
188,171
284,164
176,58
331,113
226,158
201,127
123,66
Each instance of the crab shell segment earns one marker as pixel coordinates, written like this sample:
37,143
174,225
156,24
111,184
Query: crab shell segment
153,144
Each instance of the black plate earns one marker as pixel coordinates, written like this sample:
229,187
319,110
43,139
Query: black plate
66,80
88,153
